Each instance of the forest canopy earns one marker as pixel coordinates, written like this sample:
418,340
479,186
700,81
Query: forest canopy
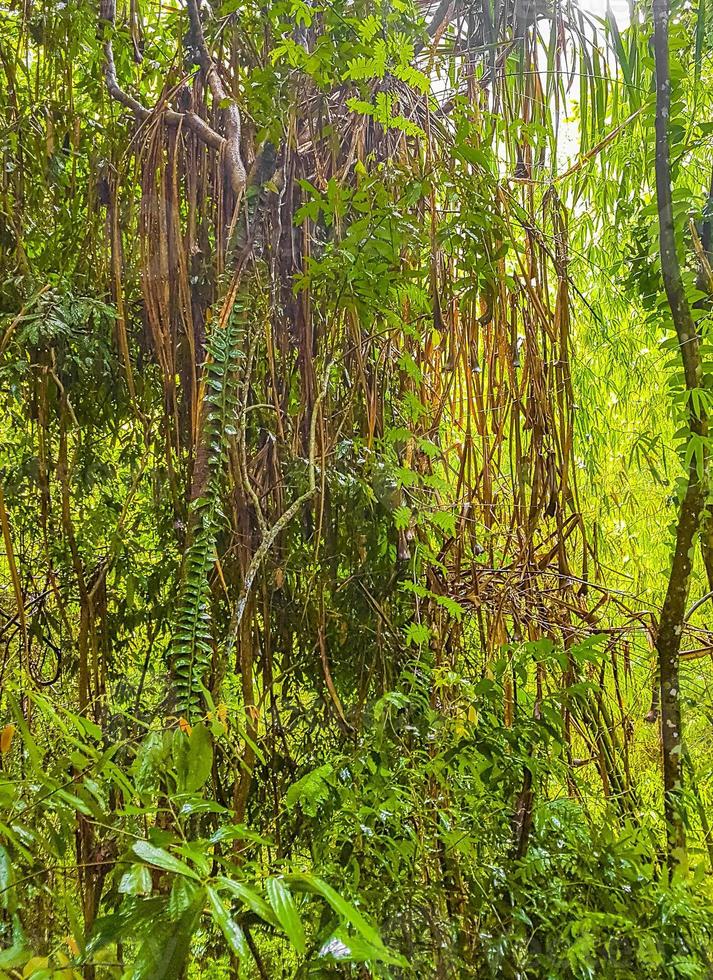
356,517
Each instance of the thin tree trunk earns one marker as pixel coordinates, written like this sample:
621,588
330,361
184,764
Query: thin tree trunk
674,608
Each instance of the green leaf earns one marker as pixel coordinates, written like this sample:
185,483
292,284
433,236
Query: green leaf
402,518
229,927
311,883
345,948
33,752
239,831
14,956
164,951
193,755
696,450
445,521
286,911
136,881
452,607
8,894
311,790
619,47
181,897
250,898
17,954
159,858
417,633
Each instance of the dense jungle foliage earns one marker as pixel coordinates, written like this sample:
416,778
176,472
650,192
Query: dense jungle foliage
356,525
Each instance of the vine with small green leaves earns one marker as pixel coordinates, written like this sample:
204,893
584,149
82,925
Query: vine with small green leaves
192,648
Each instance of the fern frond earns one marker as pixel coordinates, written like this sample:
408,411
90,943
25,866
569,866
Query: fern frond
191,647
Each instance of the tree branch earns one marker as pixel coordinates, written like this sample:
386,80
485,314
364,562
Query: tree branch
200,127
233,158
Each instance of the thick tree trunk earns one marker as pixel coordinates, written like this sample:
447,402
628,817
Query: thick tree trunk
674,608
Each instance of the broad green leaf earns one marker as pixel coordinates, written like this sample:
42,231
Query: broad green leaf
136,881
227,924
129,920
8,894
16,955
181,896
344,909
164,950
162,859
286,911
250,898
193,755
